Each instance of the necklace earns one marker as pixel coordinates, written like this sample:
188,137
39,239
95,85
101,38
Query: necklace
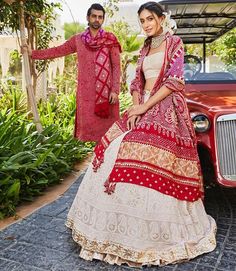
157,41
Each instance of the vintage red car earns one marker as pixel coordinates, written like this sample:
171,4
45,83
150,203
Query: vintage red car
210,86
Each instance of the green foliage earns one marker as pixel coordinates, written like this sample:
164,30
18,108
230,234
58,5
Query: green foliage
127,39
15,63
39,18
67,83
224,48
29,161
60,111
110,7
72,29
43,27
125,101
130,45
9,16
12,98
193,49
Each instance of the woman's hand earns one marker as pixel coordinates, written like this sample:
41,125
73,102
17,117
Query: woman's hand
132,122
137,110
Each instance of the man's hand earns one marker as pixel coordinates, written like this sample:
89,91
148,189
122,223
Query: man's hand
132,122
26,49
113,98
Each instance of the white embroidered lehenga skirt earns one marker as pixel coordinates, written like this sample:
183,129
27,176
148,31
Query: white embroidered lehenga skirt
136,225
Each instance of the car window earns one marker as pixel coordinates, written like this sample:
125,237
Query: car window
216,69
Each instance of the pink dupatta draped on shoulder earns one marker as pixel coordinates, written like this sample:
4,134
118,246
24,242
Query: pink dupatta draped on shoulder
161,152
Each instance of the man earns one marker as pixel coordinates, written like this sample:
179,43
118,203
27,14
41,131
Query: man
98,53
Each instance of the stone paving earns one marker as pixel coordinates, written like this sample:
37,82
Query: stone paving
41,242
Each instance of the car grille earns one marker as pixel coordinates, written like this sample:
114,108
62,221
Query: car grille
226,145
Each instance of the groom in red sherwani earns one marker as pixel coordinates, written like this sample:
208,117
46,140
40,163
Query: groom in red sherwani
98,53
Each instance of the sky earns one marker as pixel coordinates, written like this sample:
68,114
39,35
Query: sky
77,9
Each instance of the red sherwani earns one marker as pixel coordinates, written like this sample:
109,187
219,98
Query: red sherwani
88,126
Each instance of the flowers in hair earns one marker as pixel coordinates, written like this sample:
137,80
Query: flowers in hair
169,25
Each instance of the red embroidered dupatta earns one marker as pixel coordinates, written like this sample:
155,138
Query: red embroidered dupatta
160,153
101,43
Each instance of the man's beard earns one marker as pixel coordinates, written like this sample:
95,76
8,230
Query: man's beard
95,25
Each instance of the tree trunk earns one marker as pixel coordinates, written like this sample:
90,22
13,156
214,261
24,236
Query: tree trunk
29,87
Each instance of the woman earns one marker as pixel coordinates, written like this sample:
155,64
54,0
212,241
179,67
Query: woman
150,211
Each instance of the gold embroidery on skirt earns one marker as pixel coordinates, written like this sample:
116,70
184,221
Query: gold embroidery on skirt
174,255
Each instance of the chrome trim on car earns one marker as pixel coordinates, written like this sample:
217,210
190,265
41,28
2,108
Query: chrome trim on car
226,145
227,117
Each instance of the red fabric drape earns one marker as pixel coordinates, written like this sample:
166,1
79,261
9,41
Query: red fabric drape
101,43
160,153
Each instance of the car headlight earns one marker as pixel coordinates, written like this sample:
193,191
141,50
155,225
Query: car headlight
201,123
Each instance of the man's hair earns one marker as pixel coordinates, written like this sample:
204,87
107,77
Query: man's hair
96,7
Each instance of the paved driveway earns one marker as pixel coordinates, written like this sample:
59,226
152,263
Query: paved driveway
41,242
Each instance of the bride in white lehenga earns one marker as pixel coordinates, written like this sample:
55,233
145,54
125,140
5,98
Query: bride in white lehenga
138,225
